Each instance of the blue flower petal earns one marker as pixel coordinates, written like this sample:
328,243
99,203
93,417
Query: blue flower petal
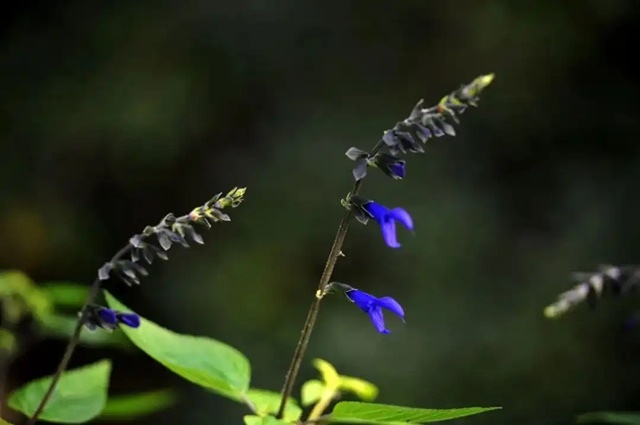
402,216
108,316
386,219
130,319
375,314
389,234
376,210
391,305
363,300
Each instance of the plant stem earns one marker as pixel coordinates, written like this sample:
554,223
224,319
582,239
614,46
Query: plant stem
292,372
309,323
73,341
334,253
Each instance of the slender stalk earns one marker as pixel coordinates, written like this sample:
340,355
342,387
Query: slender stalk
73,341
307,328
322,404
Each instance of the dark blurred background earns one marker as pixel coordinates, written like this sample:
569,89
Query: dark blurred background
114,114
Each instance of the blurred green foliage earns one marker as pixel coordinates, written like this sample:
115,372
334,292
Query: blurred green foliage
114,111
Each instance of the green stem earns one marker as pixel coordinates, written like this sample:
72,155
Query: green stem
322,404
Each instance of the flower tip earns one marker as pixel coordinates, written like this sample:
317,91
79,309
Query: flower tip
130,319
484,80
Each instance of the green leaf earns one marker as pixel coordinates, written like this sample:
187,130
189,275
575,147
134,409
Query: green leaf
60,326
351,412
623,418
266,420
3,422
133,406
66,294
80,395
203,361
267,402
311,392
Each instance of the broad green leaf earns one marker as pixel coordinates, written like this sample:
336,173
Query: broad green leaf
80,395
328,372
203,361
267,402
311,392
59,326
66,294
133,406
384,414
623,418
365,390
266,420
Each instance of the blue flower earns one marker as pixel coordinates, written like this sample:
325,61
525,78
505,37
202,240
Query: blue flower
373,307
386,218
105,318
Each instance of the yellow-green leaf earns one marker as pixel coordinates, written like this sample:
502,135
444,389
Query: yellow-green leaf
365,390
201,360
328,372
311,392
80,395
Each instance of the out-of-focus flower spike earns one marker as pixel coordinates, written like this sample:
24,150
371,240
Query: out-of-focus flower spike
424,123
592,286
171,230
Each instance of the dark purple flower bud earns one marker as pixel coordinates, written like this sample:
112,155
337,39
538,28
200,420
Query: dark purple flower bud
390,165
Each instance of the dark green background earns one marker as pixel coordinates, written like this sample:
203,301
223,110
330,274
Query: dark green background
112,115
